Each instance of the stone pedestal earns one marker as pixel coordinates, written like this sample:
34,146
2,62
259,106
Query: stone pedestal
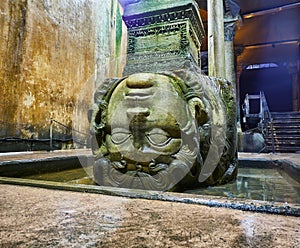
162,31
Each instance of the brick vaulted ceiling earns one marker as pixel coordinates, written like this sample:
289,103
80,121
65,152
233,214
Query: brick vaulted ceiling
248,6
271,26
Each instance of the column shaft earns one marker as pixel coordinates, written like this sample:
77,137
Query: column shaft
216,59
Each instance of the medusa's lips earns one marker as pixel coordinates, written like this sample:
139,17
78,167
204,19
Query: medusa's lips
162,176
138,94
150,168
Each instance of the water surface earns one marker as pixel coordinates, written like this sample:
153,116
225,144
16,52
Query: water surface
251,183
257,184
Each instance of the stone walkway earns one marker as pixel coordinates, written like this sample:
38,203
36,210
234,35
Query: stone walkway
21,156
18,156
38,217
292,157
35,217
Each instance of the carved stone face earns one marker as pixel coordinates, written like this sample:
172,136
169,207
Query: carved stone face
148,128
143,115
164,131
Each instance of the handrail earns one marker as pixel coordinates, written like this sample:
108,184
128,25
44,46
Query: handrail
264,114
70,128
49,140
63,125
265,109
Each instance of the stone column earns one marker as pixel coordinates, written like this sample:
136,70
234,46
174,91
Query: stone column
229,33
239,68
293,71
216,59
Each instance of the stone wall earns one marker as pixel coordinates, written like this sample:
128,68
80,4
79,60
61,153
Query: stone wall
52,53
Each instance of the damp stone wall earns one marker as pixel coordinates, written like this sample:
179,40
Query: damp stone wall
52,56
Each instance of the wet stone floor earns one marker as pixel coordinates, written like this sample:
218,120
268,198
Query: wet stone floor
36,217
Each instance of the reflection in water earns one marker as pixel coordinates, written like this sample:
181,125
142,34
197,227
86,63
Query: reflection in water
252,183
257,184
77,176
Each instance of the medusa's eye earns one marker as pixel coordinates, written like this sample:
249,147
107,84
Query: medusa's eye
120,137
158,137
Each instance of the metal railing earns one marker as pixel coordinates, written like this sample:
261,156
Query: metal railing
265,124
59,135
71,130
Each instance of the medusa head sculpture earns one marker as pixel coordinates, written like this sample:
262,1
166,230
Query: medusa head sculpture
164,131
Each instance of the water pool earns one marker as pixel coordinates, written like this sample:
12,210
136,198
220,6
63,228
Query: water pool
267,184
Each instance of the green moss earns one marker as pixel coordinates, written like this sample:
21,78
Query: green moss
118,32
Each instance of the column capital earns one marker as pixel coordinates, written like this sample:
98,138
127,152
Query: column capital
162,34
229,31
229,27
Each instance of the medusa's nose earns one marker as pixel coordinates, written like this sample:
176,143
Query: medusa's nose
138,140
138,118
